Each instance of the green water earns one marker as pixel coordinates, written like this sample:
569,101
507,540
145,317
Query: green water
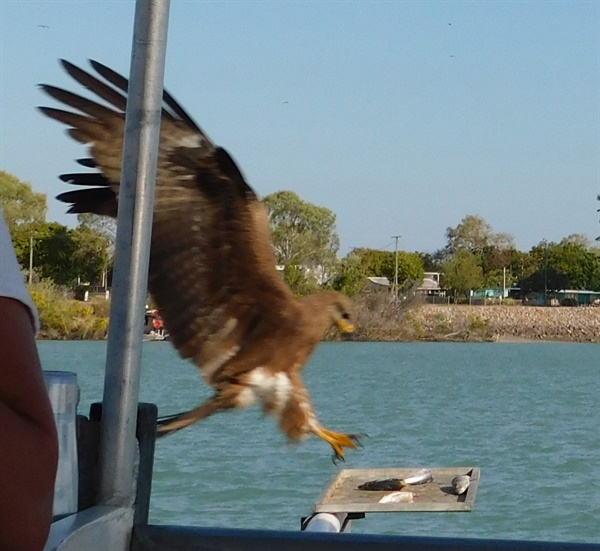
528,415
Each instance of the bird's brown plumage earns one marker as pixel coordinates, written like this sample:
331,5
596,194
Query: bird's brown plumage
212,268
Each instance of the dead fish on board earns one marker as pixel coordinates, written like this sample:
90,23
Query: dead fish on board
420,477
386,485
460,484
397,497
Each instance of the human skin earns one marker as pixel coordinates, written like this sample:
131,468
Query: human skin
28,441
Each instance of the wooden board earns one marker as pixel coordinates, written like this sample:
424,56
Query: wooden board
343,496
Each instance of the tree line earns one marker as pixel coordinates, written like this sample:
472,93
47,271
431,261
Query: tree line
306,244
475,257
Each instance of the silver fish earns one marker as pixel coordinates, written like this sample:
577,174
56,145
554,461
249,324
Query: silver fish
460,484
420,477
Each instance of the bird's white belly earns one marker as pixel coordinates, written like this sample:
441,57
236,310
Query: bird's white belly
271,389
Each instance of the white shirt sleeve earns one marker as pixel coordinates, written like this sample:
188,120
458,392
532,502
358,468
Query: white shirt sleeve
12,284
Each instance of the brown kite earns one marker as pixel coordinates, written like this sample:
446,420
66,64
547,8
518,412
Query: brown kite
212,268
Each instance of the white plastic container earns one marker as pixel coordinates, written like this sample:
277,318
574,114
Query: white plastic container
64,397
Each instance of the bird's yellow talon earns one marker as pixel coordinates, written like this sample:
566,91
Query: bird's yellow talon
338,441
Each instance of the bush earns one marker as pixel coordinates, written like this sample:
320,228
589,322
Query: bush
478,324
380,318
62,317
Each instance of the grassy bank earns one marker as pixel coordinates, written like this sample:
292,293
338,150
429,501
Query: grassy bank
63,318
477,323
380,320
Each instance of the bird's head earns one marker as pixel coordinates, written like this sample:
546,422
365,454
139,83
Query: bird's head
326,309
340,311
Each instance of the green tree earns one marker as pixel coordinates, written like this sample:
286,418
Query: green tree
520,265
106,227
59,253
376,263
565,265
91,255
410,268
504,266
580,266
21,205
383,264
54,252
64,255
25,214
475,234
462,273
598,199
351,275
304,236
432,262
24,237
103,225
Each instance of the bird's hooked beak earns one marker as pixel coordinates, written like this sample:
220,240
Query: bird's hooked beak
345,326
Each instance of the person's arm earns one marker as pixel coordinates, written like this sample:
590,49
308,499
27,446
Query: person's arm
28,441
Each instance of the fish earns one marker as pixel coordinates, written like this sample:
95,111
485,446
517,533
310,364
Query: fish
397,497
422,476
460,484
389,484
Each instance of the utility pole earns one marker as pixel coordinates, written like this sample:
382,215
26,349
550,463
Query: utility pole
395,289
30,259
545,273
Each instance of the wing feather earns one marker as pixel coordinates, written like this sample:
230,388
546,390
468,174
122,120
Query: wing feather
107,93
212,269
90,163
84,105
121,82
85,179
88,127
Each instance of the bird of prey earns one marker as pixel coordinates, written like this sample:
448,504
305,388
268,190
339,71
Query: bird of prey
212,268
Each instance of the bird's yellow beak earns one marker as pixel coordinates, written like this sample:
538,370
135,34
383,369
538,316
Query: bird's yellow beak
345,326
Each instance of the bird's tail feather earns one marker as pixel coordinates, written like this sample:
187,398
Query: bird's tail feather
172,423
163,423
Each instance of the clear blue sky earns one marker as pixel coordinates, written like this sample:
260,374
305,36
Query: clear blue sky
401,117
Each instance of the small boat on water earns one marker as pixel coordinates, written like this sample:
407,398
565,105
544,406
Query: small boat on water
154,329
152,336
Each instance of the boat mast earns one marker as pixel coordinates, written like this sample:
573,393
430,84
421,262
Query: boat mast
134,228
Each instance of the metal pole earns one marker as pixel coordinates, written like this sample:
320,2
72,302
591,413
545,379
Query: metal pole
134,223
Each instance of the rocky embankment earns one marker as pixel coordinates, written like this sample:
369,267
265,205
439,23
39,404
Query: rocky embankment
506,323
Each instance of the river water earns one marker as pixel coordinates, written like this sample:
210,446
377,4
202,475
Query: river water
526,414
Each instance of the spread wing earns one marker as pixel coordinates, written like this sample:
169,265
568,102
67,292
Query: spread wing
212,269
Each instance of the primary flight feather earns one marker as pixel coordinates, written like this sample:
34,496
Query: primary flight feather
212,268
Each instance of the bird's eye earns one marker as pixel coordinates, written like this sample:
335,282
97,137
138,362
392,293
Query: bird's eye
346,316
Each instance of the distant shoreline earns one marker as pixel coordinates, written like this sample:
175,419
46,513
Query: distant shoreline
513,323
513,339
491,323
425,323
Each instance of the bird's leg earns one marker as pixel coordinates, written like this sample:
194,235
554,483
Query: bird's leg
337,440
173,423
